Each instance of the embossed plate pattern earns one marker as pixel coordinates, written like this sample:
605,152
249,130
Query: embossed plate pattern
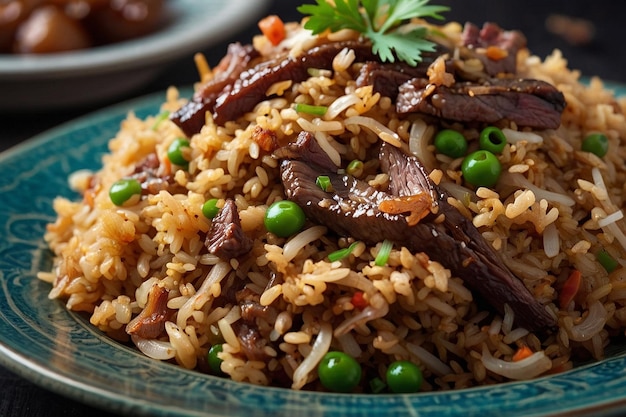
58,350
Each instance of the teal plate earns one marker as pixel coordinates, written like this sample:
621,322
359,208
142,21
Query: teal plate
58,350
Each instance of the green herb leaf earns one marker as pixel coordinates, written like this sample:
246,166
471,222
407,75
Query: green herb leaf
382,21
323,16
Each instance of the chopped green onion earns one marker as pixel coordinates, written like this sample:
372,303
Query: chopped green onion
607,261
355,168
318,72
310,109
383,254
162,116
342,253
377,385
323,182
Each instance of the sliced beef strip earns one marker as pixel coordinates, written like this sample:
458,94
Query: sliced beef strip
241,90
487,274
191,117
226,238
527,102
251,87
352,209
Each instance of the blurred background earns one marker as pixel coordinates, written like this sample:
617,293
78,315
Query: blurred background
590,35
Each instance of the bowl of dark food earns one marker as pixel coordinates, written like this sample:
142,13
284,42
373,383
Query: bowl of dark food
62,53
413,218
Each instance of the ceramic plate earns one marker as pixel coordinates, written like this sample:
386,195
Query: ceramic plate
101,73
60,351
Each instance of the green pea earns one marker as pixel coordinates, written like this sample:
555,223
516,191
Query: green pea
481,168
284,218
450,143
122,191
339,372
596,143
404,377
492,139
215,362
175,151
210,208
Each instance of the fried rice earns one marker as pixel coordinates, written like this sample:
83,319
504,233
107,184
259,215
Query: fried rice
554,208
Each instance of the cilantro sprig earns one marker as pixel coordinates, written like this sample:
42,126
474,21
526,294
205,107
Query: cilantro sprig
381,21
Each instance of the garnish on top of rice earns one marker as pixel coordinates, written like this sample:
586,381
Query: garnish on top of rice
319,207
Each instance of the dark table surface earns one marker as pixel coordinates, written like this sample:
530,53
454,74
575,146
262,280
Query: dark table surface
604,55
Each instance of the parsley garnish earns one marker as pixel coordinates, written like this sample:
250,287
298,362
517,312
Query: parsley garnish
382,21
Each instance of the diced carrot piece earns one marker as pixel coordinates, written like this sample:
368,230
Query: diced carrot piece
570,288
273,28
522,353
496,53
359,301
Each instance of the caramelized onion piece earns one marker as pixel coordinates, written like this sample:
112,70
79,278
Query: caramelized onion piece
418,206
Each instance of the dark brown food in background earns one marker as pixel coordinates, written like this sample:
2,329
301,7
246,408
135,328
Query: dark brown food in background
49,26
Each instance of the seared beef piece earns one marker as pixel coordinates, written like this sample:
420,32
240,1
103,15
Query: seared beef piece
477,262
251,340
146,172
239,94
251,308
352,209
251,86
226,239
190,118
314,154
531,103
246,329
150,322
502,60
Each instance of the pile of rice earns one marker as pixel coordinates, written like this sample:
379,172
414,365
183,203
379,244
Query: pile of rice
553,209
